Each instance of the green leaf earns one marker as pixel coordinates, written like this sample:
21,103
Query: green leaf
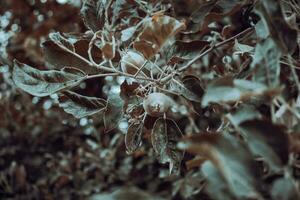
165,135
80,106
43,83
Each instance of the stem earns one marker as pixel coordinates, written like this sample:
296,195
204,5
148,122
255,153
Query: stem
106,69
140,69
213,47
101,75
210,49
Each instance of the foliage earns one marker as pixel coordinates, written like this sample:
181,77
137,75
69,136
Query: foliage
209,87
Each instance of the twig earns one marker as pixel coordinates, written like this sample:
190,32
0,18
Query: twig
106,69
210,49
140,69
213,47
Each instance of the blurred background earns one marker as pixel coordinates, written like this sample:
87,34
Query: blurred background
44,152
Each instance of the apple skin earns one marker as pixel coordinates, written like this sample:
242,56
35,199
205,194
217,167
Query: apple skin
156,104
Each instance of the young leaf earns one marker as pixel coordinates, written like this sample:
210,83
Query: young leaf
164,137
231,158
268,141
80,106
133,137
114,111
157,30
43,83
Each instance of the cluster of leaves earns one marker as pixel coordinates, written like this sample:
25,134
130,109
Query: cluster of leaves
216,79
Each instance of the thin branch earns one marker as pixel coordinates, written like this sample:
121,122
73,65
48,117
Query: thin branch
213,47
101,75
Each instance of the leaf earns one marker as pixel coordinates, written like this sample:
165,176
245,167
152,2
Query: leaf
43,83
229,90
157,30
125,193
285,189
216,184
188,89
203,9
231,158
242,48
268,141
133,137
80,106
185,50
58,39
56,57
114,111
273,18
244,113
165,135
266,63
92,12
127,33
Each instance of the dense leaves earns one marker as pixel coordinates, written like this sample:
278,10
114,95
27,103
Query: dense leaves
235,168
160,99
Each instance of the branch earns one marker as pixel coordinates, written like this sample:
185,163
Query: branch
213,47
